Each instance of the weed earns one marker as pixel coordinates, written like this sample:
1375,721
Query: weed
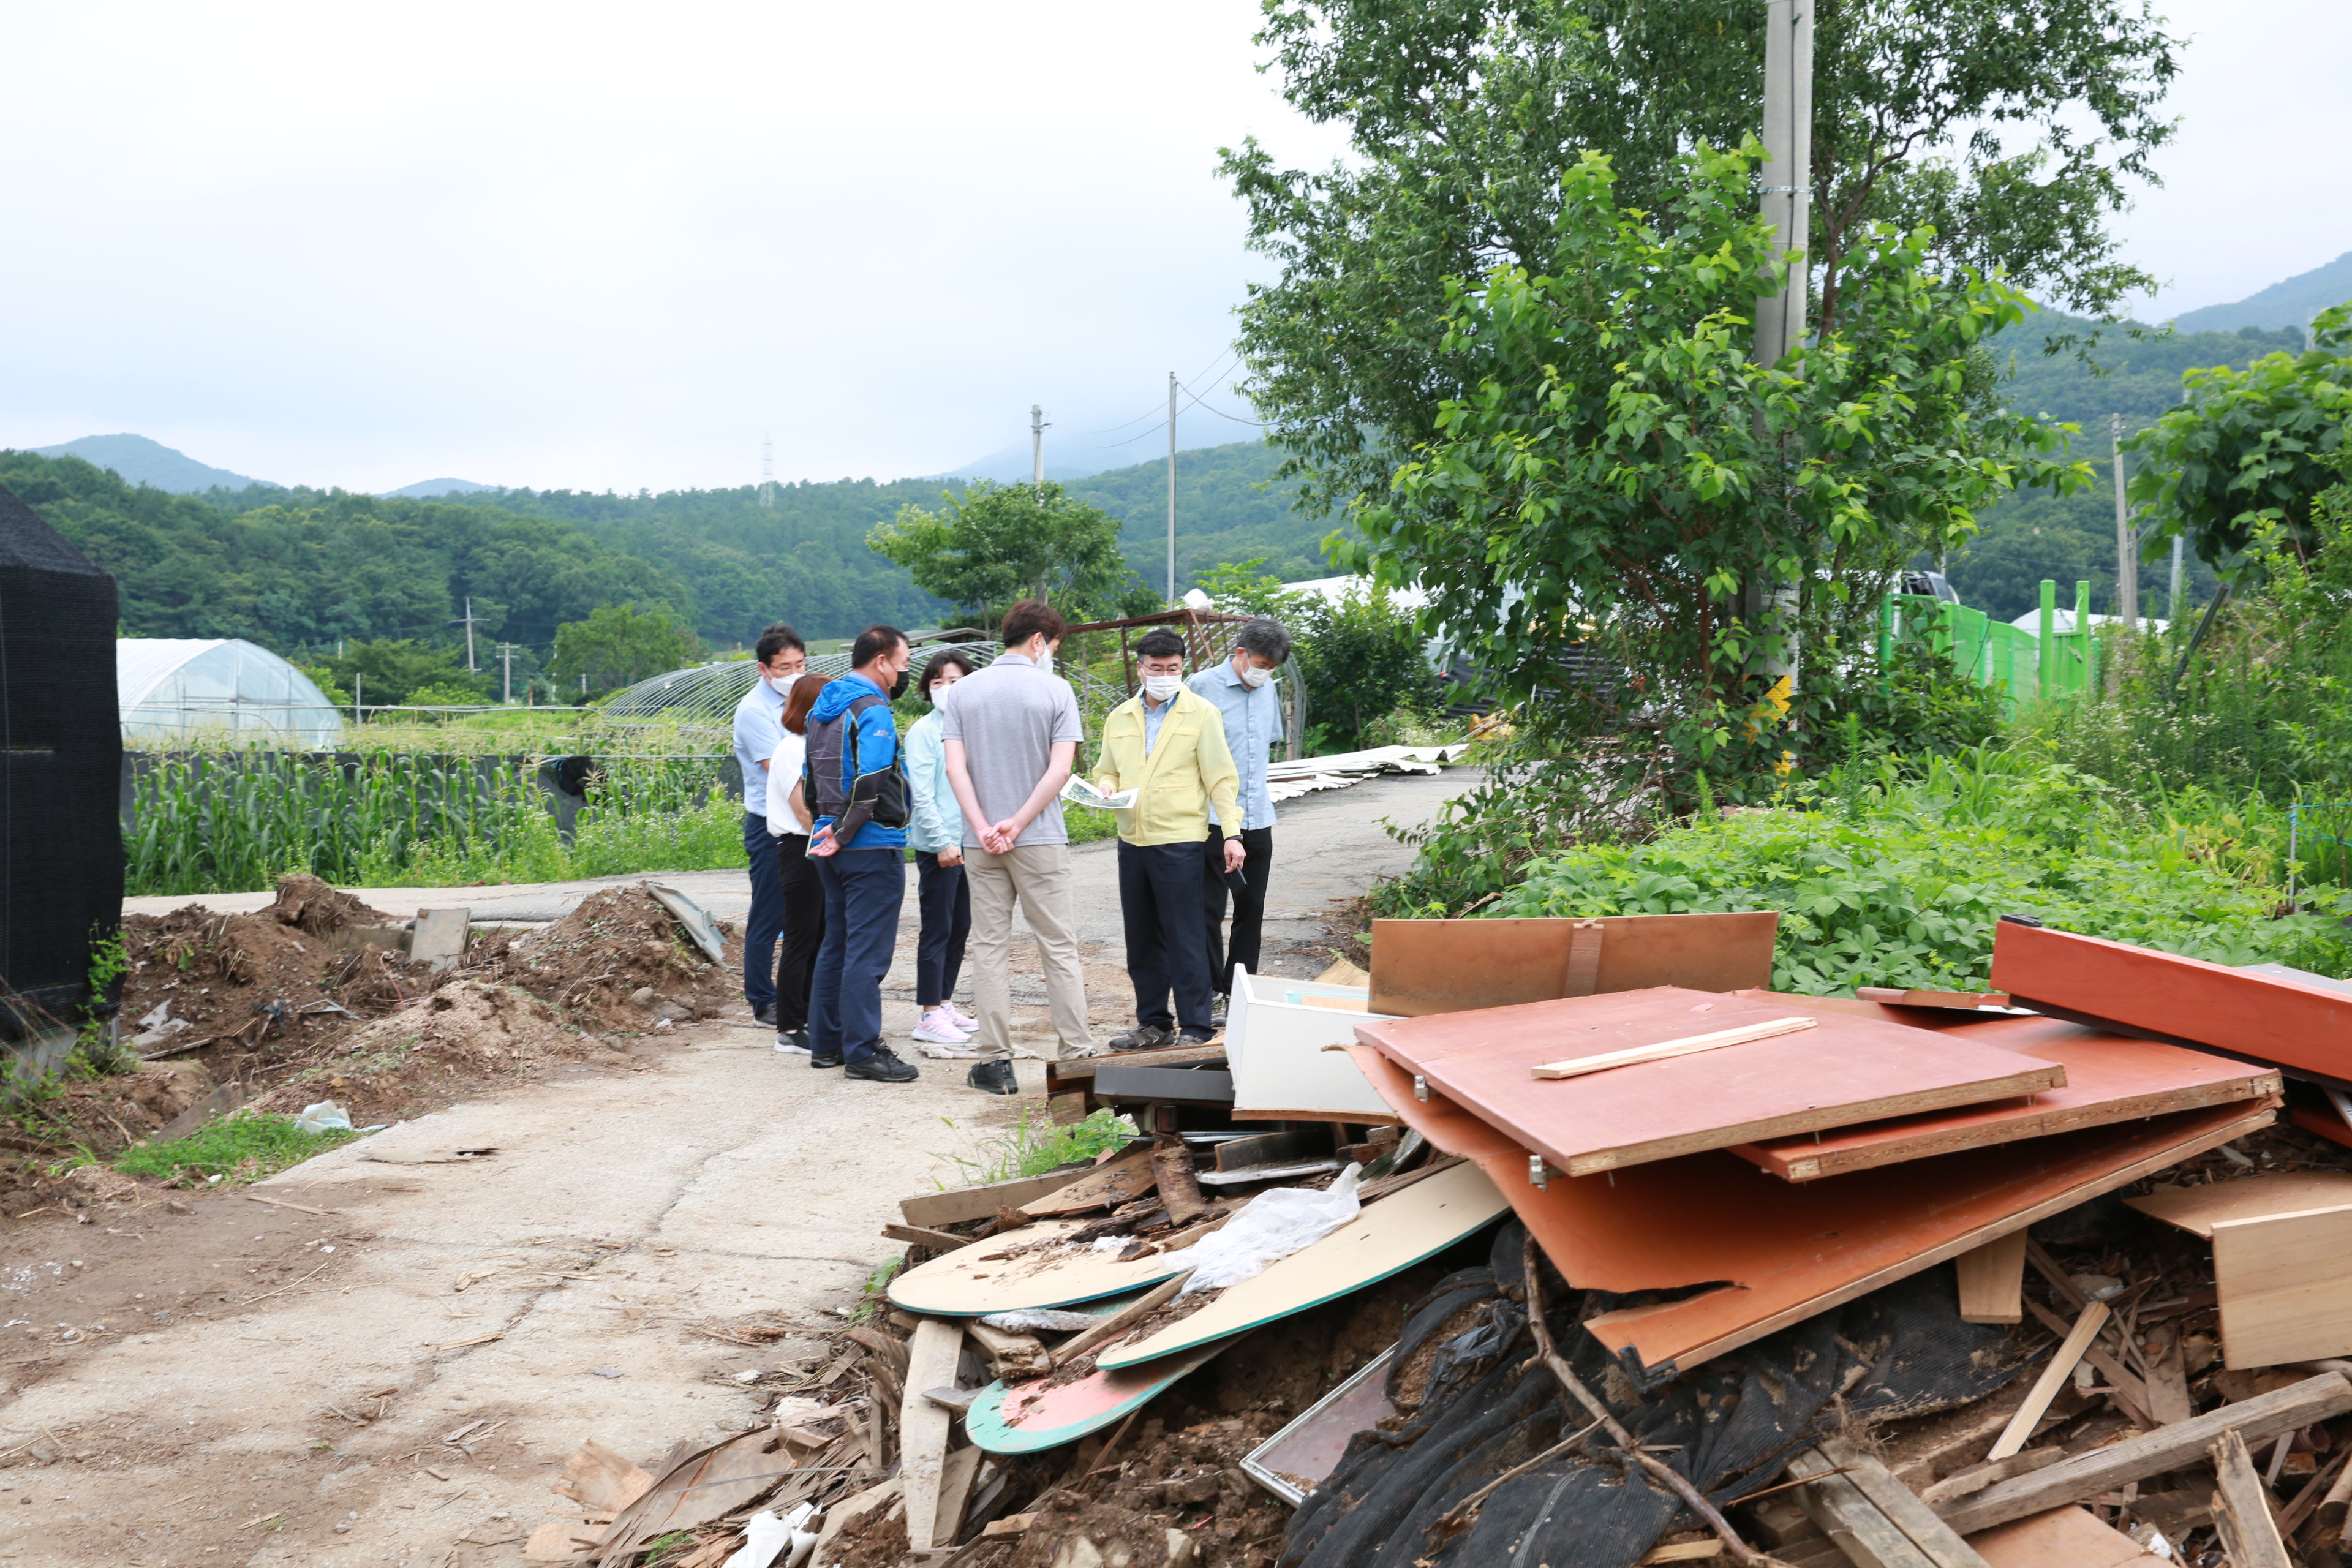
244,1145
1036,1144
872,1300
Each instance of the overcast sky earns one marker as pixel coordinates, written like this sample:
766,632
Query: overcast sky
596,245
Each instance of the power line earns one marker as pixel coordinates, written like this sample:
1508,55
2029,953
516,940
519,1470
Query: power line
1154,413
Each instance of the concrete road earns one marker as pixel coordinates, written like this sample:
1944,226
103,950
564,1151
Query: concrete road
253,1383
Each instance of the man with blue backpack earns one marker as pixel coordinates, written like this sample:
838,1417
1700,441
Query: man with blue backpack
856,787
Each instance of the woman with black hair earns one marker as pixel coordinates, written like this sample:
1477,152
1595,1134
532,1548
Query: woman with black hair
935,833
788,824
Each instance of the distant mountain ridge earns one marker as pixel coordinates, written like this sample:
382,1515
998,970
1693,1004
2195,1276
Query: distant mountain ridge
2290,302
141,461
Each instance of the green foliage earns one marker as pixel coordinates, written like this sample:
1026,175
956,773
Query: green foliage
394,670
996,545
2013,130
243,1146
1036,1144
99,1045
1227,508
1622,468
1888,882
2250,447
1361,655
619,646
1914,706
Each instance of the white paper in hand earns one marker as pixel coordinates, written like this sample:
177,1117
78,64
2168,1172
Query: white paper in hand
1078,792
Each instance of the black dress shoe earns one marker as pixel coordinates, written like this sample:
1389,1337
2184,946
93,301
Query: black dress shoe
992,1077
766,1016
825,1059
881,1068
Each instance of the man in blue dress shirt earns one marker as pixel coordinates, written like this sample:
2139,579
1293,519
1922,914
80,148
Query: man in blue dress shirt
1242,690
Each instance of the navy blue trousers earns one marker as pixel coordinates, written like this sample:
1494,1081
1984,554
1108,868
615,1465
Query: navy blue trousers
766,922
864,889
945,899
1167,946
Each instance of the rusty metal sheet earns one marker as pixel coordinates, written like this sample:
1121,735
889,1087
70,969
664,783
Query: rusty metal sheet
1778,1252
1420,967
1838,1073
2303,1026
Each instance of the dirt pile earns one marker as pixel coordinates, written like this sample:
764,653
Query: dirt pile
475,1030
308,904
600,961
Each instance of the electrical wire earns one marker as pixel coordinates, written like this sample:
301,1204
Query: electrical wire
1215,366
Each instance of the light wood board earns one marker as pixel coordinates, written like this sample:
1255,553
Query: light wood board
2110,1078
931,1210
1993,1281
1420,967
2262,1196
1389,1236
2062,1538
981,1278
1023,1418
1105,1187
1843,1071
924,1427
2286,1287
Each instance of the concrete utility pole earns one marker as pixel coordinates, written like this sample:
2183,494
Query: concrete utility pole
507,653
1172,490
468,624
2126,557
1037,450
1787,205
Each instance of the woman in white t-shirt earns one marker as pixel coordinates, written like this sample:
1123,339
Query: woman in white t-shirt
788,823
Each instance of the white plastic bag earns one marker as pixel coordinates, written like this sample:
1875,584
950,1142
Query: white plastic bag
1273,1225
324,1117
765,1537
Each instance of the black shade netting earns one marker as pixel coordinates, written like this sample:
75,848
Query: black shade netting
60,771
1473,1408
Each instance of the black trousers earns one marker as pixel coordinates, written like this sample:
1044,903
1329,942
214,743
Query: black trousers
1159,896
945,899
1249,903
804,929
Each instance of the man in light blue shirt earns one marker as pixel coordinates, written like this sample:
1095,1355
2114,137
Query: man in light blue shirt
1242,690
780,659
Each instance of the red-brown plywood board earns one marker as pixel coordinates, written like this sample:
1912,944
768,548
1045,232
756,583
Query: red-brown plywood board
1450,966
1843,1071
1783,1251
2109,1077
2301,1026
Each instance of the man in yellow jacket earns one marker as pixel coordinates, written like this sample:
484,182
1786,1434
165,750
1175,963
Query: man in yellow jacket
1168,744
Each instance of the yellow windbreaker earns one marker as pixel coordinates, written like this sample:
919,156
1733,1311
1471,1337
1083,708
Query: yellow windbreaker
1188,771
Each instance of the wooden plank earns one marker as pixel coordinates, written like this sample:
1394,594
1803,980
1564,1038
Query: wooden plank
2284,1282
1901,996
923,1427
1993,1281
956,1477
2130,1390
2110,1078
1844,1071
1789,1250
1666,1050
1900,1507
1118,1323
1179,1191
2242,1508
1976,1478
2168,1377
2086,1474
932,1210
1068,1108
918,1235
1422,967
2060,1367
2062,1538
1388,1236
1173,1057
2272,1193
2289,1022
1027,1271
1107,1186
1867,1537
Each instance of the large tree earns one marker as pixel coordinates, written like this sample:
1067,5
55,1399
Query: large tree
995,544
2015,128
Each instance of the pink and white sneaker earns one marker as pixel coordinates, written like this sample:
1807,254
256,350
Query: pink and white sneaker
938,1027
956,1016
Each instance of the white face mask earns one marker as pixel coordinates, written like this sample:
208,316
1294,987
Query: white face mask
1160,687
1254,678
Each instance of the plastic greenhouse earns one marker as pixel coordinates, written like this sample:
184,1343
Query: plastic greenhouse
179,688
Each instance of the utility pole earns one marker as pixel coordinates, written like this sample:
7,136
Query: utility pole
1172,490
1037,451
2126,557
1780,318
768,471
355,699
468,624
507,653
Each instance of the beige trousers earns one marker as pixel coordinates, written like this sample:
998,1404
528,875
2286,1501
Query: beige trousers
1038,877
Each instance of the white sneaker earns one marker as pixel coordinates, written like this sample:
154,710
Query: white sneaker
938,1027
970,1026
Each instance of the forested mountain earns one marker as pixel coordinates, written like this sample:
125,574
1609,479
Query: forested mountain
1225,511
145,462
2289,302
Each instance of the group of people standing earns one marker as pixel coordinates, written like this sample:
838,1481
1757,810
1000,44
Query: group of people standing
974,789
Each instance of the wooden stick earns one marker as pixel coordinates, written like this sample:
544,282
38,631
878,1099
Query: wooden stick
1689,1045
282,1203
2242,1509
2130,1391
923,1236
2053,1377
1118,1323
1173,1164
1674,1481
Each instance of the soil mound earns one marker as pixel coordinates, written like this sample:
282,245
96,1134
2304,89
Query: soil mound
308,904
595,959
478,1030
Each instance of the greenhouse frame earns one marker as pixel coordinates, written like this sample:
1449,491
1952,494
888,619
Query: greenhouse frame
173,691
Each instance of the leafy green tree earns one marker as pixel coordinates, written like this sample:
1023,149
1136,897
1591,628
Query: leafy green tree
618,645
1360,655
2013,128
2251,448
996,545
1622,466
394,670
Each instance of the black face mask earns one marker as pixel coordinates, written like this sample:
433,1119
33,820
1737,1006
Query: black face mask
898,687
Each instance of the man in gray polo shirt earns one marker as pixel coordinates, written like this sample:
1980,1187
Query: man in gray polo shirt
1012,733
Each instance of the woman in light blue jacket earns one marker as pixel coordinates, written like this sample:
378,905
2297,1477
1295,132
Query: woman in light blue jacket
935,832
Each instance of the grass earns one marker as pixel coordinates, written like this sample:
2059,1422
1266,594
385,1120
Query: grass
241,1146
1036,1144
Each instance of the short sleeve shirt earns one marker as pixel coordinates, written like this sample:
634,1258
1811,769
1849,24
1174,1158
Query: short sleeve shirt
1010,716
758,730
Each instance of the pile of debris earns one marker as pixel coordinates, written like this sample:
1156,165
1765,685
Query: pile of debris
632,957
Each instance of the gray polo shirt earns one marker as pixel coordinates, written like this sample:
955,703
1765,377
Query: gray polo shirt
1009,718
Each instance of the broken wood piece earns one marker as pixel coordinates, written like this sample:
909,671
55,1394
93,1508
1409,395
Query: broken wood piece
2062,1538
2130,1390
950,1397
1249,1174
956,1478
1665,1050
1118,1323
1992,1278
1683,1551
923,1427
600,1480
1171,1166
2283,1280
1123,1180
282,1203
2087,1475
874,1502
920,1236
1874,1519
1976,1478
2053,1377
1898,996
934,1209
2242,1508
2168,1377
1008,1527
